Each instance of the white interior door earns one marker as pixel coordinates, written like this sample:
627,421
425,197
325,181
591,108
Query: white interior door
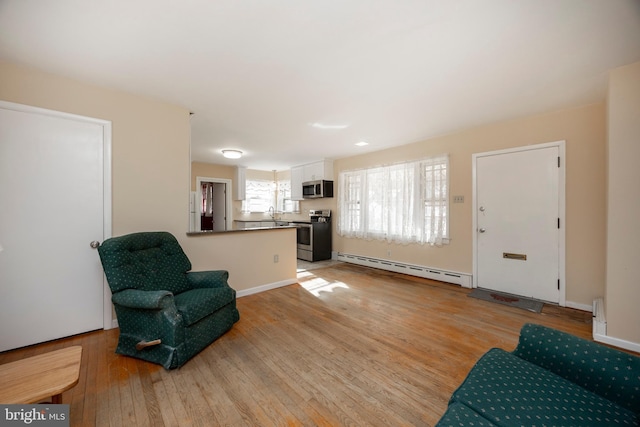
51,208
219,206
517,219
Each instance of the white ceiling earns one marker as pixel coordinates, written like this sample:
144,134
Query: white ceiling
257,74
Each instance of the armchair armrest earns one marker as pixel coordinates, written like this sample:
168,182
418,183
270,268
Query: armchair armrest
150,300
208,279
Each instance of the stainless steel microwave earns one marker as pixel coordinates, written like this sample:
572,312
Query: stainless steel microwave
317,189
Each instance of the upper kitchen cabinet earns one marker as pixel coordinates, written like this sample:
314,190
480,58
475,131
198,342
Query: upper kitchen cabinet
318,170
309,172
239,183
297,178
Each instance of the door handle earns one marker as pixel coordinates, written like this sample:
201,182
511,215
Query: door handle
482,230
95,244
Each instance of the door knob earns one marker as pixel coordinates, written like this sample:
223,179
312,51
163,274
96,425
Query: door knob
482,230
95,244
481,208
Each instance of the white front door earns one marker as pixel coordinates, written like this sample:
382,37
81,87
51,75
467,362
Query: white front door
51,209
517,221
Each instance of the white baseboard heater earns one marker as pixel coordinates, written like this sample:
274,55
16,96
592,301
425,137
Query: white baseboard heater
599,321
461,279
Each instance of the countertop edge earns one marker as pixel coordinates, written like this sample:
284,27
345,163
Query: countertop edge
241,230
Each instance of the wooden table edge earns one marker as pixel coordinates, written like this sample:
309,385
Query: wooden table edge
54,392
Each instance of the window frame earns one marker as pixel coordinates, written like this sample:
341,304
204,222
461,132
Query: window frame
418,179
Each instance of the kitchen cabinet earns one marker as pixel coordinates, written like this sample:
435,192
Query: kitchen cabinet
318,170
239,183
297,178
274,223
241,225
309,172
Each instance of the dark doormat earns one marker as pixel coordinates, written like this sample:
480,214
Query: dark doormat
507,299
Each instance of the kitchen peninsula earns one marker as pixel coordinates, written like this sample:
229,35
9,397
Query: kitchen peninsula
246,226
257,258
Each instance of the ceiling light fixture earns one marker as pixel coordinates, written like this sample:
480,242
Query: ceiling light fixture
232,154
325,126
362,143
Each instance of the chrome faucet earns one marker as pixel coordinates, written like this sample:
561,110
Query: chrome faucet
272,212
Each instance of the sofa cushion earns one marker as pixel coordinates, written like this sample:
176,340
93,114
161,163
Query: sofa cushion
196,304
611,373
508,390
460,415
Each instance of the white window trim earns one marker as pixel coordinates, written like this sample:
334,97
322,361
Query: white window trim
417,199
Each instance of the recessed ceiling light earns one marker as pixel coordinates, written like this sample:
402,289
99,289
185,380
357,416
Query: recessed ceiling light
327,126
232,154
362,143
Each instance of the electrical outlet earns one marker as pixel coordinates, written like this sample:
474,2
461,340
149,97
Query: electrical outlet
458,199
276,258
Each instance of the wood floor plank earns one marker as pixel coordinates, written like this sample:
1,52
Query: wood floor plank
166,408
346,346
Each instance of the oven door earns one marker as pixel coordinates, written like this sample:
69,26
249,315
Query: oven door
304,236
304,241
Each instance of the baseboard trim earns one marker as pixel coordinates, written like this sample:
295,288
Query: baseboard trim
579,306
462,279
266,287
617,342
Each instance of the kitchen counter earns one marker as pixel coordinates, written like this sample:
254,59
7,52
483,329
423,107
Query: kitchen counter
240,230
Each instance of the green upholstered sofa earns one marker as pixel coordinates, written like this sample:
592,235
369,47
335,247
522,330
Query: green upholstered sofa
551,379
166,313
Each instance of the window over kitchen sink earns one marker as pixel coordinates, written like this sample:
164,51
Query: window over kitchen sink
262,194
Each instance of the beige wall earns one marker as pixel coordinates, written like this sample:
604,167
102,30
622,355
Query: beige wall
151,178
210,171
248,255
584,131
150,170
623,234
149,139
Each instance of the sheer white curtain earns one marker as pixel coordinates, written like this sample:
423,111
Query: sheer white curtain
259,195
401,203
285,204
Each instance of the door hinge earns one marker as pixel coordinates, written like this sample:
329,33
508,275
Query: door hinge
558,223
558,284
558,161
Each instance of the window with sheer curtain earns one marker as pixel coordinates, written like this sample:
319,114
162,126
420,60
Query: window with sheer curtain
285,204
400,203
260,195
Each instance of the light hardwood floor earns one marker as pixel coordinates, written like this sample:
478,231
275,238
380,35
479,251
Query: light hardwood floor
347,345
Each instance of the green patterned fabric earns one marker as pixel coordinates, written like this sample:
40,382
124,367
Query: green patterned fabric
145,261
156,297
553,379
460,415
605,371
198,303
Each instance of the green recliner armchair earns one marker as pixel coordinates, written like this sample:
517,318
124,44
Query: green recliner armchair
166,313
